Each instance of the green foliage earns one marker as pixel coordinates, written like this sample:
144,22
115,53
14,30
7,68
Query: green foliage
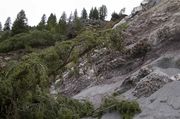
33,39
24,92
127,109
112,39
20,24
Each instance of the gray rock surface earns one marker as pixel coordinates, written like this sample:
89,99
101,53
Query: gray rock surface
150,84
113,115
163,104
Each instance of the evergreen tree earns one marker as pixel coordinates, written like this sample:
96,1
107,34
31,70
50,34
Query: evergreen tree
91,13
84,14
0,26
63,24
102,12
52,22
42,23
75,17
20,24
95,14
70,18
7,25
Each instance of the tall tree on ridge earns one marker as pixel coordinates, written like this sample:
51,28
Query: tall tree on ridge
42,23
75,17
20,24
102,12
52,22
91,13
84,14
7,25
63,24
95,14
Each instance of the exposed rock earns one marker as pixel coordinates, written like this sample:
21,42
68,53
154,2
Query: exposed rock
150,84
176,77
163,104
132,81
113,115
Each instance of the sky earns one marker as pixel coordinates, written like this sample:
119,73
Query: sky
34,9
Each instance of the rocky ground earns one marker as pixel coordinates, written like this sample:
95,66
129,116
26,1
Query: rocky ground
153,80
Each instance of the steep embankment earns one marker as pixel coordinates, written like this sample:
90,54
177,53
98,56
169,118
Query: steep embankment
139,72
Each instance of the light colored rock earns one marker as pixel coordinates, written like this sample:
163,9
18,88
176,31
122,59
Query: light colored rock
176,77
163,104
113,115
97,93
151,83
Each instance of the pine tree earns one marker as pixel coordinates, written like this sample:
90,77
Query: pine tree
42,23
95,14
63,24
20,24
52,22
84,14
102,12
7,25
91,13
75,17
70,18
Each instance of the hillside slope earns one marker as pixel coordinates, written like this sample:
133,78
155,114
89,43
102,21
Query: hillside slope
134,76
137,63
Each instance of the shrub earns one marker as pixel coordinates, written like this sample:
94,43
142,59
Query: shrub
127,109
33,39
117,38
24,94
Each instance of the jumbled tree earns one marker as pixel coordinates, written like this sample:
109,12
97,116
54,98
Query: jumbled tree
7,25
20,24
42,23
102,12
84,14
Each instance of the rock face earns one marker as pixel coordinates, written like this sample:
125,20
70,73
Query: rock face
163,104
151,80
